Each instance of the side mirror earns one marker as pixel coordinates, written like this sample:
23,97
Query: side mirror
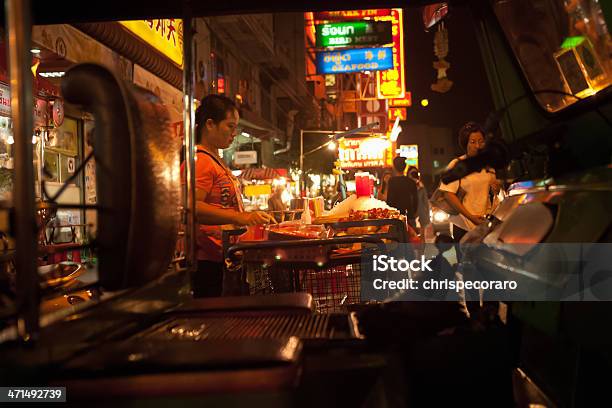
434,14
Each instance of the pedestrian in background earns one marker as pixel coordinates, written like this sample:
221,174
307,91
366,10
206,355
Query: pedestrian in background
402,192
422,201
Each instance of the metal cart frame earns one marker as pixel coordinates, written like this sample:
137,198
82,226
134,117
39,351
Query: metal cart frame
307,265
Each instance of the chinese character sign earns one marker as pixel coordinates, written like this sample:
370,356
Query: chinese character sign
354,60
395,113
404,102
350,14
391,82
166,36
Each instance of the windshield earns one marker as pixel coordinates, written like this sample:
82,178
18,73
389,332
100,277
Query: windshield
563,47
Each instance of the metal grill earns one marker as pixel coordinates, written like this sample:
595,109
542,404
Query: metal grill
332,288
318,326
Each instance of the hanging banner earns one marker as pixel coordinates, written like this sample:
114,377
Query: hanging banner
353,33
166,36
391,82
354,60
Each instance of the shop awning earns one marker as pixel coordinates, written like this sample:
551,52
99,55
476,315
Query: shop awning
260,173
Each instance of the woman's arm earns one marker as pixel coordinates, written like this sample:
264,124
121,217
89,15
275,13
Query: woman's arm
211,215
454,201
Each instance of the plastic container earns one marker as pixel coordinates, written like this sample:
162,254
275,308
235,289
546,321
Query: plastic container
362,184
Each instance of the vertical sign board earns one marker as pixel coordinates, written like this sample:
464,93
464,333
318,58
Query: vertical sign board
394,113
405,102
391,82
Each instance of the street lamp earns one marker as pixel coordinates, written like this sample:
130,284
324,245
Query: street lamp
334,135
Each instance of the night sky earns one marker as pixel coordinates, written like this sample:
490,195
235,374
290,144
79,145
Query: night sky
469,98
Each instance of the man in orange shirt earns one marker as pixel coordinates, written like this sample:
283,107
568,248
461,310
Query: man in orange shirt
218,197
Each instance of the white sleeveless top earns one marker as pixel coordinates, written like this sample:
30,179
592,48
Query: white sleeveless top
476,199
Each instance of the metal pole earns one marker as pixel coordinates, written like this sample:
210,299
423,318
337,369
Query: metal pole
189,196
18,21
301,161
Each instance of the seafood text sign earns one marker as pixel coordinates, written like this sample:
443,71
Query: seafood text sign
354,60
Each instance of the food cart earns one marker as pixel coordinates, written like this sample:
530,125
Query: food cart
323,258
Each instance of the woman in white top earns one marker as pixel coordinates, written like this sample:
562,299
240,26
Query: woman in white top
476,202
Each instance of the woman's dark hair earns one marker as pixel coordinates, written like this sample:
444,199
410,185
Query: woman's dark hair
465,132
213,107
413,172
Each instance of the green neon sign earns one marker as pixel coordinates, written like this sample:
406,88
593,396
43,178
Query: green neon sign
571,42
347,34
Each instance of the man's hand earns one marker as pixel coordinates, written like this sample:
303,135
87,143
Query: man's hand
255,218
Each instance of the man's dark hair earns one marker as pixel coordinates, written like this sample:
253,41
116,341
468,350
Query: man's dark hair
399,164
465,132
213,107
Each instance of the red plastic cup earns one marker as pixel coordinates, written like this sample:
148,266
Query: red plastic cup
362,184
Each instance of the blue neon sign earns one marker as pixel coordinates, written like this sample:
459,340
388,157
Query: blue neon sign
355,60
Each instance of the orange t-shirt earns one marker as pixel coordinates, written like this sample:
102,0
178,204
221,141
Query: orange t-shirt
222,190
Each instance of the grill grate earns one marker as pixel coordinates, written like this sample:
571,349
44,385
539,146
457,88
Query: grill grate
243,327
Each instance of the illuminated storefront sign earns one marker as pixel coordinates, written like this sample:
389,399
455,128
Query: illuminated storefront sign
411,153
393,114
166,36
397,112
353,33
404,102
356,153
5,100
390,83
350,14
354,60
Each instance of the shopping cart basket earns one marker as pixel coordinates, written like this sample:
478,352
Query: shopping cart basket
305,265
325,268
